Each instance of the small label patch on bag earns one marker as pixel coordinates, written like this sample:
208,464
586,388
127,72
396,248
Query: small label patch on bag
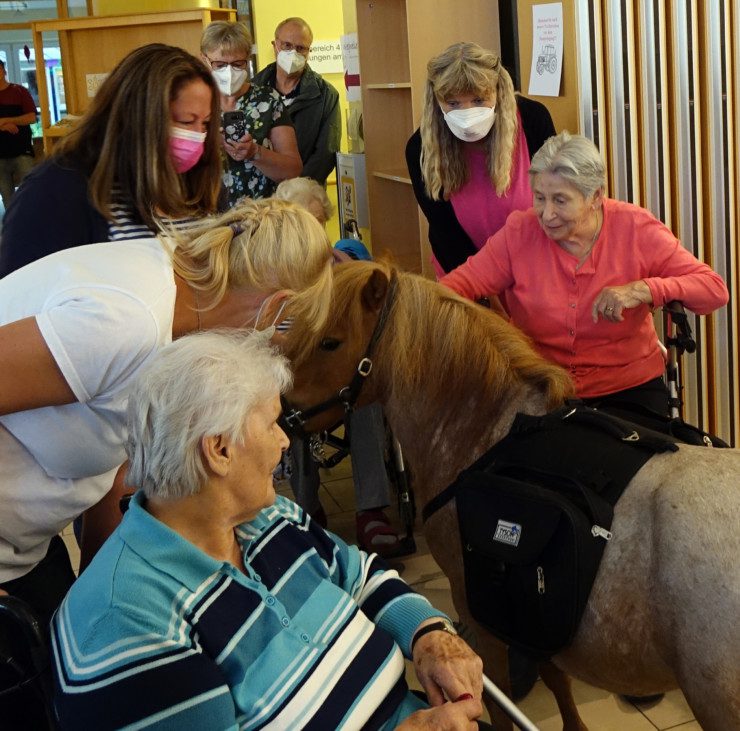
508,533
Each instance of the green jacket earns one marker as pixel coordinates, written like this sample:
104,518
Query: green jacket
315,114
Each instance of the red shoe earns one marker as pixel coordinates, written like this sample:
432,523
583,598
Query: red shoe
375,534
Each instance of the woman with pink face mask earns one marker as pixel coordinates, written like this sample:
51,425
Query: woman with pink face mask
468,160
260,150
145,155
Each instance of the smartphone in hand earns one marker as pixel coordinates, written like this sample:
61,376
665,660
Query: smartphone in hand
235,125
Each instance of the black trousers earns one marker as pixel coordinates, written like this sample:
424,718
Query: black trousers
46,584
652,395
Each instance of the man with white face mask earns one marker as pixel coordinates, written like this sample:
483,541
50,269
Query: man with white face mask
312,102
260,148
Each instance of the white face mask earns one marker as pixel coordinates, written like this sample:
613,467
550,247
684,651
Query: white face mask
472,124
291,61
276,320
229,80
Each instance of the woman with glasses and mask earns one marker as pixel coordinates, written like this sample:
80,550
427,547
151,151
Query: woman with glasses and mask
267,151
468,160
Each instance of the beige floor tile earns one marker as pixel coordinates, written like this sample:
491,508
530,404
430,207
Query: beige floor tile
342,491
671,711
599,709
419,568
690,726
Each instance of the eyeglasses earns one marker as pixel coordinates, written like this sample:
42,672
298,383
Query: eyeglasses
285,46
240,65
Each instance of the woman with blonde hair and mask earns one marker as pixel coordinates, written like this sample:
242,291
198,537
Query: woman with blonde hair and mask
268,150
468,160
144,155
76,328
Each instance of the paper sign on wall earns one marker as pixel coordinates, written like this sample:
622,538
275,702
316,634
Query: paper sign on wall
326,57
547,49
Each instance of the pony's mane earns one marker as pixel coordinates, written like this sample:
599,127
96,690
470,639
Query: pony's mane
469,352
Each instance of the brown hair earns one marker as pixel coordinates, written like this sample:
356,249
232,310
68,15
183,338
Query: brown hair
122,142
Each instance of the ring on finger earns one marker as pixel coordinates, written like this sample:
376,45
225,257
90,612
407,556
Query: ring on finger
608,309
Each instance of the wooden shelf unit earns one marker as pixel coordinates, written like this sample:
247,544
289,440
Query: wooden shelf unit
396,40
94,45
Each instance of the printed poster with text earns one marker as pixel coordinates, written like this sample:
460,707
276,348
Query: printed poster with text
547,50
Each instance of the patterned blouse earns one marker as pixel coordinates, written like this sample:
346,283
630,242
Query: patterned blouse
264,110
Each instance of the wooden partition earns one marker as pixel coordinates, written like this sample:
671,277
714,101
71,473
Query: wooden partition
94,45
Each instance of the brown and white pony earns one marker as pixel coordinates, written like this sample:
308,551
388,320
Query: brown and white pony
665,608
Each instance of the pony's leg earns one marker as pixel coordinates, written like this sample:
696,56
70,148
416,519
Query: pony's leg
559,685
711,685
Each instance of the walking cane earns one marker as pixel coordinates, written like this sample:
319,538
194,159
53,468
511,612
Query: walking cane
507,705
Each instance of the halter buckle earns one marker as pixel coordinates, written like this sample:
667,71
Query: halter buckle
294,419
364,367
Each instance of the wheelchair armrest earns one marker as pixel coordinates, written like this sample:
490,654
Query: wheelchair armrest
677,316
17,616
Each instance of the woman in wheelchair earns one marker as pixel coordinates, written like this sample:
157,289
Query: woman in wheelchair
580,273
217,604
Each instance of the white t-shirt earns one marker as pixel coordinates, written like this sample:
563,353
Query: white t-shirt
103,310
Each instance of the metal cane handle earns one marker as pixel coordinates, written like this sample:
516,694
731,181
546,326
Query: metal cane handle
507,705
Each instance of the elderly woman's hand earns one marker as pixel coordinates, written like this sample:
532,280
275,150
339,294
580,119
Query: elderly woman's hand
459,716
611,301
244,150
446,666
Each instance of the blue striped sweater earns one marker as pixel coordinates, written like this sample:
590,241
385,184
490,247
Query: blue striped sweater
157,634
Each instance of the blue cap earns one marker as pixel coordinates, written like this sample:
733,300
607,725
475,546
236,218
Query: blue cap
353,248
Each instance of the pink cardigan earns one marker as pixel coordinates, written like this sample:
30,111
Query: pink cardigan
551,301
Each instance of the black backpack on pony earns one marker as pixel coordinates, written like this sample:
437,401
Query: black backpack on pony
535,514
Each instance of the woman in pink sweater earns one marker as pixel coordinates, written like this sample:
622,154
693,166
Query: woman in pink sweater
580,273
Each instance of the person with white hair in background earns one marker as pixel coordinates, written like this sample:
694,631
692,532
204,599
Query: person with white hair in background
217,604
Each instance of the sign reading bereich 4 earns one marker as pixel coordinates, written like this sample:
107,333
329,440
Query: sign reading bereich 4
326,57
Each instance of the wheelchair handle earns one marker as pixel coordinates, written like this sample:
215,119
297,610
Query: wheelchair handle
683,339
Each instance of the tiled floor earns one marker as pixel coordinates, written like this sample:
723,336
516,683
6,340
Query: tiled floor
600,710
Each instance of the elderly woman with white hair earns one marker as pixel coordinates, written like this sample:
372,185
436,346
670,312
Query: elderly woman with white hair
217,604
580,273
75,329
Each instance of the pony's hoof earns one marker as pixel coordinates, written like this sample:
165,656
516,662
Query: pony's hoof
642,699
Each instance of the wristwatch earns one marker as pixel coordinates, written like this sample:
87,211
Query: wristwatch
443,625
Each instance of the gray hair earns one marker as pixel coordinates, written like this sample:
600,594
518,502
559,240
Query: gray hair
574,158
302,191
223,35
200,385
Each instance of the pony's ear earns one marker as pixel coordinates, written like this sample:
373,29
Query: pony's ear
373,293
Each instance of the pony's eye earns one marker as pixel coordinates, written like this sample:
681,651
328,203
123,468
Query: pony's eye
329,344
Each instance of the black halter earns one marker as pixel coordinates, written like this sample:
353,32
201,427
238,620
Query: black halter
347,395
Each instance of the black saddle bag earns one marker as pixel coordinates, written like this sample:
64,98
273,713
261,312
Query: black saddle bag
530,555
673,427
